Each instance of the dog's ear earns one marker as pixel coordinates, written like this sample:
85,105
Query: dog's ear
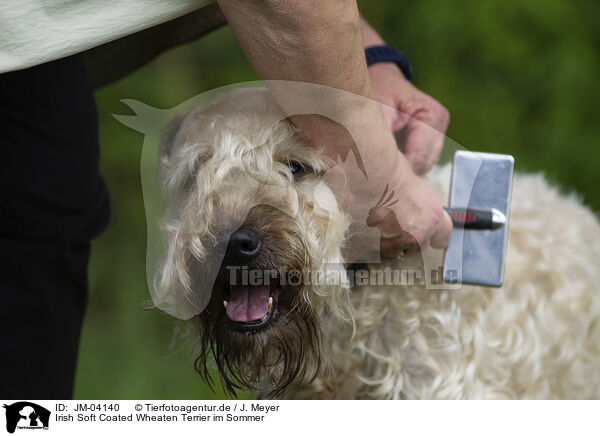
169,134
172,176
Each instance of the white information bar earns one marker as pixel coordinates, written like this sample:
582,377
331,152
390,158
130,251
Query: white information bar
481,418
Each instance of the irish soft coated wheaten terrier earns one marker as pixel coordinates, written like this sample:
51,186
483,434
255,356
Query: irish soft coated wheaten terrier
246,194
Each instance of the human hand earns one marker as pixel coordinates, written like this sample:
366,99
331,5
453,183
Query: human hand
391,208
422,120
393,212
409,217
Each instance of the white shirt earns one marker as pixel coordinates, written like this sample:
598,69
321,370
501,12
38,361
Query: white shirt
37,31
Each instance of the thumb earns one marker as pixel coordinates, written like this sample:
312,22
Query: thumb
441,237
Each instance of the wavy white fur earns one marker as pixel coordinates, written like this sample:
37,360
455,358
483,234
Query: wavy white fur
536,337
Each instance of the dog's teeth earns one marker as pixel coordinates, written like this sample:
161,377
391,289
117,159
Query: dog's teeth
270,304
225,304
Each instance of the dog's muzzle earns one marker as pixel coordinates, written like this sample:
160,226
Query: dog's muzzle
249,296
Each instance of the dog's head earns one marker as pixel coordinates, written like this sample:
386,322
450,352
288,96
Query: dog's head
251,230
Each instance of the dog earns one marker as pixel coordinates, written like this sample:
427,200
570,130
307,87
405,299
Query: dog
246,193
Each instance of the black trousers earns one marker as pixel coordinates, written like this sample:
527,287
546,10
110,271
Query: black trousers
53,203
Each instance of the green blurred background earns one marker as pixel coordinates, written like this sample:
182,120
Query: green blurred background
518,77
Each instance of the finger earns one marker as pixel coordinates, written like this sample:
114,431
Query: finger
434,150
393,247
441,238
400,120
386,222
420,143
426,135
441,119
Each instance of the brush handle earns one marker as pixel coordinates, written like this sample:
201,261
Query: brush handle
477,219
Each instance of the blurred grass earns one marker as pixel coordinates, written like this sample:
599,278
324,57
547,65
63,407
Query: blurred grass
517,77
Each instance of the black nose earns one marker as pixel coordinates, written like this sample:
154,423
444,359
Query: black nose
244,245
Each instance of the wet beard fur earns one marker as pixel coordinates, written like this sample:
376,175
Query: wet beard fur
270,361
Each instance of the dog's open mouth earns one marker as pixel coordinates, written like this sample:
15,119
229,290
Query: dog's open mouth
251,309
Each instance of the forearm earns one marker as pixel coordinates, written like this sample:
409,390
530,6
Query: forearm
308,41
317,43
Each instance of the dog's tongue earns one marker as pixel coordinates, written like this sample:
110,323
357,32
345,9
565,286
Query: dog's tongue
247,303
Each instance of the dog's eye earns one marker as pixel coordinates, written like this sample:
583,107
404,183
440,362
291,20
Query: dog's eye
296,168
